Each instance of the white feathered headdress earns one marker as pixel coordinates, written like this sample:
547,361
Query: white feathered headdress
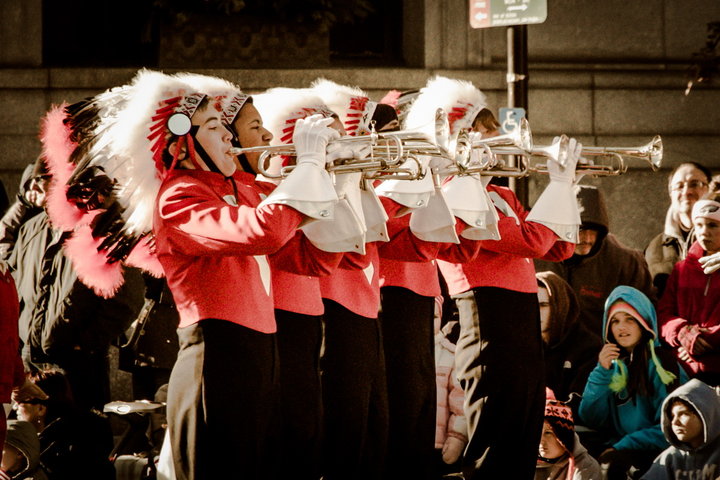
230,97
281,107
117,142
460,99
350,103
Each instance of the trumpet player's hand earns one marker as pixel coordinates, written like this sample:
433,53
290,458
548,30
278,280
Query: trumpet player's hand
348,151
710,263
565,174
311,138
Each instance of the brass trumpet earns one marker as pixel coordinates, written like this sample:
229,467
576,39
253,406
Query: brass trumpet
388,152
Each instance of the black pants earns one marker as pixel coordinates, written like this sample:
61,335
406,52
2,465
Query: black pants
299,341
222,401
354,396
407,326
500,365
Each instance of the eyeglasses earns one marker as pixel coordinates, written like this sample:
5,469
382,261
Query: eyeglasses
691,185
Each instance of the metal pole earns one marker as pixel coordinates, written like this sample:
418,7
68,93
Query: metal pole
517,83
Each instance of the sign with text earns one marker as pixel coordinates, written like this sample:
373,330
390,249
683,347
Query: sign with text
502,13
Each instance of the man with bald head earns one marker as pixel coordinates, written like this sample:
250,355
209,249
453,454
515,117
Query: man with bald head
687,183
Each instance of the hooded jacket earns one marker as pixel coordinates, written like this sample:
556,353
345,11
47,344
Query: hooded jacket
692,301
608,264
633,423
680,460
23,436
572,349
16,214
59,314
666,249
586,467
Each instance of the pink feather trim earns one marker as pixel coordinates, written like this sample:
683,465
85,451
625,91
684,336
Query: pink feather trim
143,257
91,266
391,98
57,148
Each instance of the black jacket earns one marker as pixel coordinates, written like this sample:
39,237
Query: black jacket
58,313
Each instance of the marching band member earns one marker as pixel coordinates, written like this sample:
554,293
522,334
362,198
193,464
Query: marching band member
212,231
298,310
408,291
499,352
354,375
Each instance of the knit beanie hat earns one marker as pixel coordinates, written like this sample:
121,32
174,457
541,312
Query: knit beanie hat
559,416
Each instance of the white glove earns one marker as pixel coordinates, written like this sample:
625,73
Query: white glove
565,174
348,151
710,263
311,137
557,207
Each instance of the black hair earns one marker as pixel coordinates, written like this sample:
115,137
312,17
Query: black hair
55,384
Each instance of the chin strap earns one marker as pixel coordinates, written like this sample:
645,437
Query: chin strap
195,148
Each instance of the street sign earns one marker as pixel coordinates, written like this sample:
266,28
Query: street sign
502,13
510,119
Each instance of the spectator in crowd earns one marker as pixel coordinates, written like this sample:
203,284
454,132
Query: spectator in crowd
74,442
4,201
21,453
64,323
486,124
687,183
151,343
624,394
691,424
499,352
561,456
600,261
451,434
689,311
571,349
14,383
715,183
29,202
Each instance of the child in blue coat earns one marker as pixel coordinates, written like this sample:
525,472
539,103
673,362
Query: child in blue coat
624,393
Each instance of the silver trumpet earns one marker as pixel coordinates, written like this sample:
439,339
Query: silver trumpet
612,159
469,161
392,154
